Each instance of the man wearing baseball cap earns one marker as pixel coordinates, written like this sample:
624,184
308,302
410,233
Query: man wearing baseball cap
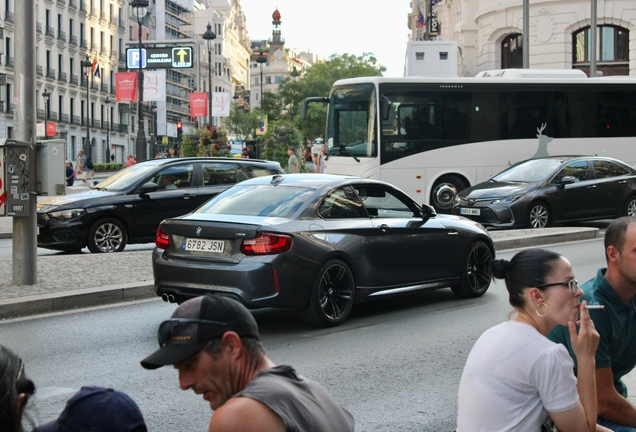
213,342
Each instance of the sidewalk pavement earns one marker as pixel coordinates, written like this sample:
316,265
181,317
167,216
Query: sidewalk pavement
64,283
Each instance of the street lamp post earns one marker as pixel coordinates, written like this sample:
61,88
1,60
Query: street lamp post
46,95
209,36
260,60
107,103
140,7
86,64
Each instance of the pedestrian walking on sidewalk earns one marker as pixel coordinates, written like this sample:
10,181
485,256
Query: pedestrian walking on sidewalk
70,174
613,287
213,342
15,391
515,378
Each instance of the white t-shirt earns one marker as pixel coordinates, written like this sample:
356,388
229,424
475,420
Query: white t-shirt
513,376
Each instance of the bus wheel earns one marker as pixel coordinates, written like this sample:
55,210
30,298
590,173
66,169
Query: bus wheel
538,216
445,191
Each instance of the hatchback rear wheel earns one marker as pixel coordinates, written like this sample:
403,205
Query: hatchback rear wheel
332,295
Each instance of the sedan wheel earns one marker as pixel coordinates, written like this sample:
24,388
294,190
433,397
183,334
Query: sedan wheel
539,216
476,273
331,297
630,208
107,235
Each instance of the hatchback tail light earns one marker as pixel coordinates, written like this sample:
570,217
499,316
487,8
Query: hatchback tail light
162,241
266,244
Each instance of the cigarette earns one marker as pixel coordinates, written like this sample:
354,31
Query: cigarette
596,306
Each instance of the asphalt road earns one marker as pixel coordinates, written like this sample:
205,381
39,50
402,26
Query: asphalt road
395,364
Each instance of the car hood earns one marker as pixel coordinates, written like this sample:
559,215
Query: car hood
492,189
76,200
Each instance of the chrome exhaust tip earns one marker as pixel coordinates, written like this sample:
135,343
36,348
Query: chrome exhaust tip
171,298
165,298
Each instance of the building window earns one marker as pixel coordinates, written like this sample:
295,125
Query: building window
512,52
612,50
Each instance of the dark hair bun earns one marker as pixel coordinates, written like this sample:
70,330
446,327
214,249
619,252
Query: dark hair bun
500,268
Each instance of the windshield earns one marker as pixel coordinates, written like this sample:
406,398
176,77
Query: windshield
265,201
351,123
529,171
126,178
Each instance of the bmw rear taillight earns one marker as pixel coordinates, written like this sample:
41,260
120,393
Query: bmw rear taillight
162,241
266,244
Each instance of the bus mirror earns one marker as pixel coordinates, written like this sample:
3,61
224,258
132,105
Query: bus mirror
385,108
312,100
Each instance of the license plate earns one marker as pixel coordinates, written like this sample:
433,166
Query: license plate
215,246
469,211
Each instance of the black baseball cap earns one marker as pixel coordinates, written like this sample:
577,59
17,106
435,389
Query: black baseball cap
195,323
97,409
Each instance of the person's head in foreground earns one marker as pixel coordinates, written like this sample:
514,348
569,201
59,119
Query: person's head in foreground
97,409
15,390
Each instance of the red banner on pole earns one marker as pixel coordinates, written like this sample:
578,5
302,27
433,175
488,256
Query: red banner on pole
198,104
126,86
51,129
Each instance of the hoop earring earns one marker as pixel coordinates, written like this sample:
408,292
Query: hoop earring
546,309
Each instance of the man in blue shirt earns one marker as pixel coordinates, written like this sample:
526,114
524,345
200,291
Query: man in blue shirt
615,289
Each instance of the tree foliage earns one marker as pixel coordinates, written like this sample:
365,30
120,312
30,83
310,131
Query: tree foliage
208,141
317,80
241,123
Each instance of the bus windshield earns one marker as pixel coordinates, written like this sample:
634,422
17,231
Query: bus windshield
351,124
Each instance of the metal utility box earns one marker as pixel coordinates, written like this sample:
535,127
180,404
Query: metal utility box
14,178
51,165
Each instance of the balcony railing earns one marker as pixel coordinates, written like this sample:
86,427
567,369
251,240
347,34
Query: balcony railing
104,87
84,80
83,7
113,54
94,86
9,61
38,28
73,40
122,57
74,79
76,120
103,50
61,2
50,73
122,128
94,12
84,43
93,47
62,77
50,31
8,17
39,70
72,4
64,118
61,35
41,114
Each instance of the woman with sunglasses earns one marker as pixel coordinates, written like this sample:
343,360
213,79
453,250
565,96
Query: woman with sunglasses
15,390
515,378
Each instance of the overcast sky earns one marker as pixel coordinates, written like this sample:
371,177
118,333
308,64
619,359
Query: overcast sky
326,27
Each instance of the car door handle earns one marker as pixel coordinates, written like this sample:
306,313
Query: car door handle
188,196
452,233
384,228
592,187
622,182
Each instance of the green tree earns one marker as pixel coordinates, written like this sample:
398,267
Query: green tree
279,137
241,123
271,106
317,80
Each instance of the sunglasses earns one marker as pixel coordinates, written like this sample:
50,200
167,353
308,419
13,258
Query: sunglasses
20,371
572,284
166,328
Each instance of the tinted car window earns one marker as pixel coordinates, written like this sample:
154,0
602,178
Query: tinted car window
218,173
261,171
127,177
172,177
530,171
257,201
342,204
576,169
383,203
605,169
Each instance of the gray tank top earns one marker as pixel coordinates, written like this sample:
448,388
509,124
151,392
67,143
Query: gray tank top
304,405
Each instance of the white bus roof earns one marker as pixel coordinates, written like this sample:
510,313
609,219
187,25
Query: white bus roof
511,76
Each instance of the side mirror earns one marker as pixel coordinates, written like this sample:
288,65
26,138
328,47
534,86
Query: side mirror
147,188
567,180
427,212
385,108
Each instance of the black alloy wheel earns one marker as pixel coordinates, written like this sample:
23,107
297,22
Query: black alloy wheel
332,295
539,215
107,235
476,273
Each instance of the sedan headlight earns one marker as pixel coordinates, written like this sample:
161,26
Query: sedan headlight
67,214
507,200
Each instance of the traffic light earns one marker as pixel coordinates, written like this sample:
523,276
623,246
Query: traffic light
179,130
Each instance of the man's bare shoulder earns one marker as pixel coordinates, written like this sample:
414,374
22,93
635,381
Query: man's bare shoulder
246,415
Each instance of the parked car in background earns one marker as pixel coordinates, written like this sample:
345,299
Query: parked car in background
127,207
539,192
317,243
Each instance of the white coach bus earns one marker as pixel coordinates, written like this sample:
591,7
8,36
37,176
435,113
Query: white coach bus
433,137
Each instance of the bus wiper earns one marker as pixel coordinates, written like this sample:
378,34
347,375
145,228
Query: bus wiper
348,153
341,151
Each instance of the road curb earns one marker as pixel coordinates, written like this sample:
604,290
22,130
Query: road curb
535,238
68,300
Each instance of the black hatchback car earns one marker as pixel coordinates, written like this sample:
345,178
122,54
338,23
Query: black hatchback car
538,192
128,207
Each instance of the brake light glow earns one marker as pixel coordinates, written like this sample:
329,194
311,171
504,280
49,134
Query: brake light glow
266,244
162,241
